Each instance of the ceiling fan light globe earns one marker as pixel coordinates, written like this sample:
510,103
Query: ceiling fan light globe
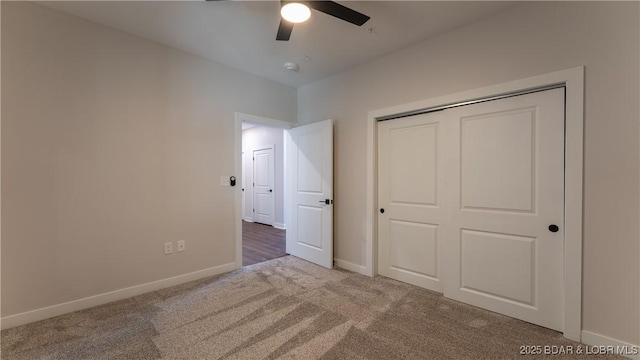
295,12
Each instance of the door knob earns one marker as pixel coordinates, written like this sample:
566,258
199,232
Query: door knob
381,211
553,228
270,190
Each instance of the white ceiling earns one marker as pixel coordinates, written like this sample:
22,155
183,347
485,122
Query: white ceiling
242,34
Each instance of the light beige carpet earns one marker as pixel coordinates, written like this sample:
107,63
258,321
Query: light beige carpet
282,309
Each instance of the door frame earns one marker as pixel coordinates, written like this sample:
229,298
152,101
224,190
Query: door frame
237,161
573,80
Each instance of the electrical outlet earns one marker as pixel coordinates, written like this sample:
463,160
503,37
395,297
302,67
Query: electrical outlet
168,248
181,245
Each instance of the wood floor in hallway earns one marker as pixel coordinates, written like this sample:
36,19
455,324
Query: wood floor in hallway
261,243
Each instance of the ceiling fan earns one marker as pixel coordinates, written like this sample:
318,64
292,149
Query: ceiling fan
328,7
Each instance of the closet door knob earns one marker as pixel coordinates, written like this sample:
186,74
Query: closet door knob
553,228
381,211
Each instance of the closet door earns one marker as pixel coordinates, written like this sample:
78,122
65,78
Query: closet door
473,200
504,245
410,197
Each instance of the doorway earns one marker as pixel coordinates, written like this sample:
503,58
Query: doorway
262,231
308,204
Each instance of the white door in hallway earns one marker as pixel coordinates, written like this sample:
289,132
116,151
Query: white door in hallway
412,209
474,205
263,184
309,192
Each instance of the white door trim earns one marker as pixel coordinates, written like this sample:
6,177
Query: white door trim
574,104
237,161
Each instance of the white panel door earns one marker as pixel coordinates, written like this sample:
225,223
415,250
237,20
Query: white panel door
504,248
309,192
410,196
263,184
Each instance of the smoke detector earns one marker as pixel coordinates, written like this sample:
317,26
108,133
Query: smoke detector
291,66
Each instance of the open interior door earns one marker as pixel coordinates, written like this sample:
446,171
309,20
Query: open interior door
309,192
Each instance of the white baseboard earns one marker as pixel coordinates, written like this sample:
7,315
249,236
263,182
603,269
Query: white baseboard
616,346
351,266
280,226
248,219
91,301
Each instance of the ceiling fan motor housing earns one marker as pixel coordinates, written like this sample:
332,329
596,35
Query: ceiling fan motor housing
328,7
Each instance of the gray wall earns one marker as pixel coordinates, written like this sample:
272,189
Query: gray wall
112,145
528,40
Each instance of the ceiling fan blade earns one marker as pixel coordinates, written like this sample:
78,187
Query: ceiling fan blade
341,12
284,30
